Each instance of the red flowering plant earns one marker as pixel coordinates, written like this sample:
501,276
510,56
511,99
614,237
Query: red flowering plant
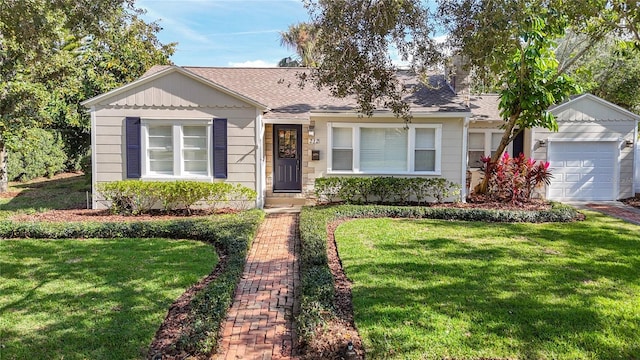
514,178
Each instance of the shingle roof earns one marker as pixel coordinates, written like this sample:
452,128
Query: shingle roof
279,89
485,107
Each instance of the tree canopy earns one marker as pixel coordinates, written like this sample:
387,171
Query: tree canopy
509,43
56,53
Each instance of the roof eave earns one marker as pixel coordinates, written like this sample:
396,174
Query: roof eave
141,81
386,113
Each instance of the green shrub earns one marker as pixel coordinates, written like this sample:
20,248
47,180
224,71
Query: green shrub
138,197
317,283
230,234
38,153
384,190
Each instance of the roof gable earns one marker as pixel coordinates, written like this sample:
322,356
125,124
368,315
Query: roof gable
588,107
173,86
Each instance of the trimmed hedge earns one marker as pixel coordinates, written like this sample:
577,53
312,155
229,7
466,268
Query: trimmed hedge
231,234
384,190
317,283
135,197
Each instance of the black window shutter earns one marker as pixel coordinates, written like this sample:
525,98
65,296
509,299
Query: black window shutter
220,148
133,139
518,144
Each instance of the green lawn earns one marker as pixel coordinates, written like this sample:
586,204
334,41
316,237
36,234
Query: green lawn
62,192
430,289
92,299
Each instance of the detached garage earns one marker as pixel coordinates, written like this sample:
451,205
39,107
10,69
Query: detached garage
592,155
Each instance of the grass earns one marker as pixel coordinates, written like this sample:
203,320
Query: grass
93,298
61,192
432,289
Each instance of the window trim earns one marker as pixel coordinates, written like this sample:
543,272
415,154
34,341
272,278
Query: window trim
355,147
487,143
177,147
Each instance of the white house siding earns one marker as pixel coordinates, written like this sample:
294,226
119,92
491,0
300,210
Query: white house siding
173,96
589,120
451,145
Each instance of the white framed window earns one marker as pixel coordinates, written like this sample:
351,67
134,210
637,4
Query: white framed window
368,148
483,142
179,148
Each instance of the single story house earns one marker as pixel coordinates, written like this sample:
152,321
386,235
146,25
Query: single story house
258,128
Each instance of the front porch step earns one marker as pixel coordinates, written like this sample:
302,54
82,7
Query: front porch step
270,202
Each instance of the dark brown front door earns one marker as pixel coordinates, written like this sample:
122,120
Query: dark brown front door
287,158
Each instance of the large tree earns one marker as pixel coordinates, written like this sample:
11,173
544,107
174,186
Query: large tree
355,40
126,47
509,41
610,70
46,53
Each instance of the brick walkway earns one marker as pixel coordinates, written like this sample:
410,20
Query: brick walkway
259,323
618,210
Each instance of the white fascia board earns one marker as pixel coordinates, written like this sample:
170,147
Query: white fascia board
386,114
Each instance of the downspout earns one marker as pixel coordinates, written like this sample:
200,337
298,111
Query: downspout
463,163
260,176
94,154
636,162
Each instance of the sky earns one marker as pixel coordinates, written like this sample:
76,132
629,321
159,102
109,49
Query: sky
225,32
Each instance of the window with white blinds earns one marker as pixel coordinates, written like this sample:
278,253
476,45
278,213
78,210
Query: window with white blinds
342,149
176,149
384,148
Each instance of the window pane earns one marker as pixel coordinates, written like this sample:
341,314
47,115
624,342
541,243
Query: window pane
342,138
161,162
196,167
425,160
425,138
200,131
383,149
476,141
195,155
287,144
195,143
160,137
155,130
342,159
495,140
474,158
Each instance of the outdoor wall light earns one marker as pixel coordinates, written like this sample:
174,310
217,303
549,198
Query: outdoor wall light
542,143
629,143
312,131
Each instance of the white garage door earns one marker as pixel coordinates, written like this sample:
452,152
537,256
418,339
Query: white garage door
582,170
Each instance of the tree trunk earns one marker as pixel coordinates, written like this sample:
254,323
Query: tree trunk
4,176
507,137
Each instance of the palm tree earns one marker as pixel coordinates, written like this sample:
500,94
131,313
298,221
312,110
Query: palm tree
301,37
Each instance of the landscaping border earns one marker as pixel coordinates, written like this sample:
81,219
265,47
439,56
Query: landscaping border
231,234
318,286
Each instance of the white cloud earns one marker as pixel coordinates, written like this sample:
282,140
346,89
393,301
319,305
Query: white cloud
252,64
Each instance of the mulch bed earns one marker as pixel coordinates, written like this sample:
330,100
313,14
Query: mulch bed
106,216
331,339
176,323
633,201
